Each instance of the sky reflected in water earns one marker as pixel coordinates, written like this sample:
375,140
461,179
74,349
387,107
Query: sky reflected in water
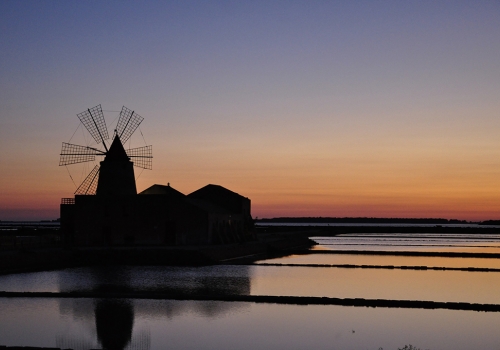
479,243
457,286
383,260
159,324
225,325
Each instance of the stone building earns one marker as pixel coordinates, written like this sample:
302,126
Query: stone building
160,215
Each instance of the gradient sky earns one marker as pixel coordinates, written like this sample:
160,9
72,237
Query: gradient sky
309,108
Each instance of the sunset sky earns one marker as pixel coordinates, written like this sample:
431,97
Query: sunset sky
309,108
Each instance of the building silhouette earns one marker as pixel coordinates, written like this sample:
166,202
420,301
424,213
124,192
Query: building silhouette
160,215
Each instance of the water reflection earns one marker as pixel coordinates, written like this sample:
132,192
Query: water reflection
109,322
114,320
208,280
384,260
101,323
38,322
485,243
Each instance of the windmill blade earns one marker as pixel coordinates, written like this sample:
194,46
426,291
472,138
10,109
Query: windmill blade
89,185
127,124
93,120
73,154
141,156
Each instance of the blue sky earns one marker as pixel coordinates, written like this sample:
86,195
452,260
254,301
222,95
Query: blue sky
307,107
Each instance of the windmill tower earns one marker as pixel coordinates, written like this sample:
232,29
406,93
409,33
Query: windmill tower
115,174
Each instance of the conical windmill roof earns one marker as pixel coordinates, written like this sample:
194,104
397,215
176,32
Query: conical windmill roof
116,151
116,174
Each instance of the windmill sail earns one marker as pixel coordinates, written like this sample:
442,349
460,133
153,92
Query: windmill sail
93,120
127,124
141,157
89,185
73,154
103,179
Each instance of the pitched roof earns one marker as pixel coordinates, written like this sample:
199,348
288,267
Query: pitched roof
164,190
215,190
220,196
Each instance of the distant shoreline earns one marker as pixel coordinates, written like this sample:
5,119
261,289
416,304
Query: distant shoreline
306,219
368,220
351,221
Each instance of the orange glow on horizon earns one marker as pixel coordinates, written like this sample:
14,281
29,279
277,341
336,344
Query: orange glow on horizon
326,110
357,189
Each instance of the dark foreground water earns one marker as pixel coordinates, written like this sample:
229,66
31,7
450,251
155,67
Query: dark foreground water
167,324
140,324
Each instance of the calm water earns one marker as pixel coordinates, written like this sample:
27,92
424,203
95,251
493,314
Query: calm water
412,242
161,324
80,324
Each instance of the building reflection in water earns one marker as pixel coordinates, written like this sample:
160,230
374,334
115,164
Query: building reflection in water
109,323
114,320
104,323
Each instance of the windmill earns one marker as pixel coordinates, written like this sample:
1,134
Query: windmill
115,174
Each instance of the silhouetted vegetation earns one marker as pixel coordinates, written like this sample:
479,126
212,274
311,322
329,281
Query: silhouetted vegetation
490,222
362,220
406,347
